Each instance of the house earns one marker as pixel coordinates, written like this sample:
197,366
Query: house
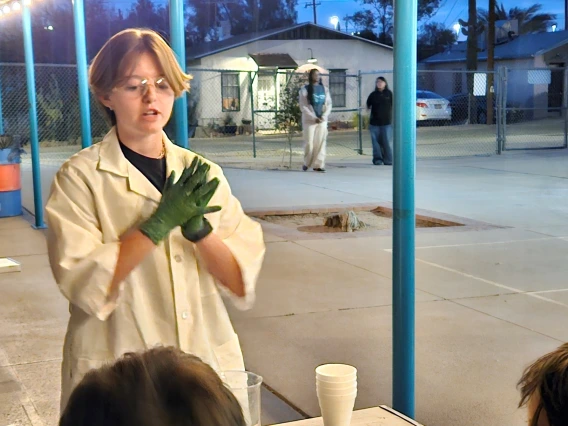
229,74
535,70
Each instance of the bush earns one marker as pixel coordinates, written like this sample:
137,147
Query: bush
355,121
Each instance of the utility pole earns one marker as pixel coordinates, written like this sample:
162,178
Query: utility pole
314,4
491,61
315,12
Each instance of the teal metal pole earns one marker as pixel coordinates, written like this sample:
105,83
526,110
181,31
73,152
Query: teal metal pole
82,73
1,113
404,79
32,105
177,36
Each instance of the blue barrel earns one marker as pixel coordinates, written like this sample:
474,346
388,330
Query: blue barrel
10,184
10,203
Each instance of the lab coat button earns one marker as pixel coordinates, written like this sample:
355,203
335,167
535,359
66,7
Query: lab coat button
184,315
177,258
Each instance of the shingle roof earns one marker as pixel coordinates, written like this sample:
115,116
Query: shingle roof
205,49
524,46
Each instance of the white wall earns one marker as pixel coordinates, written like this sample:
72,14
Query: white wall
352,55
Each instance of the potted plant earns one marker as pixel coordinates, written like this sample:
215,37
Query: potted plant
230,128
10,149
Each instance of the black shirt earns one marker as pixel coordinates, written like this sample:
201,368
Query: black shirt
380,103
153,168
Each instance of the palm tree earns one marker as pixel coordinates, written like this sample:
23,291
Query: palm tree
530,20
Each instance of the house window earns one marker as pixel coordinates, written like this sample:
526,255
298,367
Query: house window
337,87
231,91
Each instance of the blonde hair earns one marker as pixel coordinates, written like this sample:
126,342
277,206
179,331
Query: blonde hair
117,58
547,379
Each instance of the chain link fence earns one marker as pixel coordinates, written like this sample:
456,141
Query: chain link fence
58,110
233,116
536,107
232,113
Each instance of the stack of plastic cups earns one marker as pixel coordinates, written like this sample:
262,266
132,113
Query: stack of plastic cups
337,390
10,186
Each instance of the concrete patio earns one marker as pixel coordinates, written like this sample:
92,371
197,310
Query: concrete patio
488,301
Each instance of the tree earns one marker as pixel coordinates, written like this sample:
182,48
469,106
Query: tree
289,115
382,13
530,19
434,38
244,16
471,29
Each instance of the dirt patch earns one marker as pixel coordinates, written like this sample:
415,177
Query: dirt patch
379,219
314,222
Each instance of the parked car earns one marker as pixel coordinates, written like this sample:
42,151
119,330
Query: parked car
460,109
432,107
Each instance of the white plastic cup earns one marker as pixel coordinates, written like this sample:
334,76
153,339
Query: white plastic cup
337,410
336,373
246,387
338,393
336,386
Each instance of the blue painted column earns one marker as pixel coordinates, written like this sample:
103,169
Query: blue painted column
177,37
32,105
82,72
1,113
404,81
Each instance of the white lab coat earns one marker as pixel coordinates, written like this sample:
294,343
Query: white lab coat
314,134
170,299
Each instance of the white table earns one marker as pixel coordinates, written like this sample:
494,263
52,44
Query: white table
377,416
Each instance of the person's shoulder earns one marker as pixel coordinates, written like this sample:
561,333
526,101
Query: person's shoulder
82,162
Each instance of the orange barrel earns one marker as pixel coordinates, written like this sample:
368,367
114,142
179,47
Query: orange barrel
10,190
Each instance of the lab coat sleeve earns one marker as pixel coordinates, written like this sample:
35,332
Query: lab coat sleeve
83,266
328,105
305,107
244,238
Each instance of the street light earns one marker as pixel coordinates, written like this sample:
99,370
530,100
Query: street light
457,28
334,21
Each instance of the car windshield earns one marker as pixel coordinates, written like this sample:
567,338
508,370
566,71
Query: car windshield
423,94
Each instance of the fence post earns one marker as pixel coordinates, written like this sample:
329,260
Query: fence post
32,110
499,103
565,107
251,91
360,112
82,73
505,81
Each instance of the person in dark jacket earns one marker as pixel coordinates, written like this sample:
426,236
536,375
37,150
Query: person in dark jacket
380,104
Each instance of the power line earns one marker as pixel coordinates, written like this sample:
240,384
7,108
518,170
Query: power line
314,5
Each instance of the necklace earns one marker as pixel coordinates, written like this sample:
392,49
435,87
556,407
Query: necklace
163,153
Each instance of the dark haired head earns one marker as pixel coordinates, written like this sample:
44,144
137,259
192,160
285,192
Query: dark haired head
384,80
544,387
160,387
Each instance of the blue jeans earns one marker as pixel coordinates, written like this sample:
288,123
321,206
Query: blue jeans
382,153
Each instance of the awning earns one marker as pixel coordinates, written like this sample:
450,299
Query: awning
274,60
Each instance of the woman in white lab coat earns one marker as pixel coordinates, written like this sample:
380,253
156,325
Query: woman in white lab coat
141,259
315,104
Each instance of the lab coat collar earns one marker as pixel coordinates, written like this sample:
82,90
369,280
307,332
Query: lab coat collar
112,160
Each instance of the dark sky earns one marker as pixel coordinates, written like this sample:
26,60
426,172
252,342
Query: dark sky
448,14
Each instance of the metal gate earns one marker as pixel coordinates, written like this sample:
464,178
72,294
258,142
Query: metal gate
533,110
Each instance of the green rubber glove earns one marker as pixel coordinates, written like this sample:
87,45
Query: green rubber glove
179,202
198,227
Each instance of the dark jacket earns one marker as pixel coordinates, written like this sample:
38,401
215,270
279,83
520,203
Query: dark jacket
380,103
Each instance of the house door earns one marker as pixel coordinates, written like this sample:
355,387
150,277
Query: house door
266,100
556,88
